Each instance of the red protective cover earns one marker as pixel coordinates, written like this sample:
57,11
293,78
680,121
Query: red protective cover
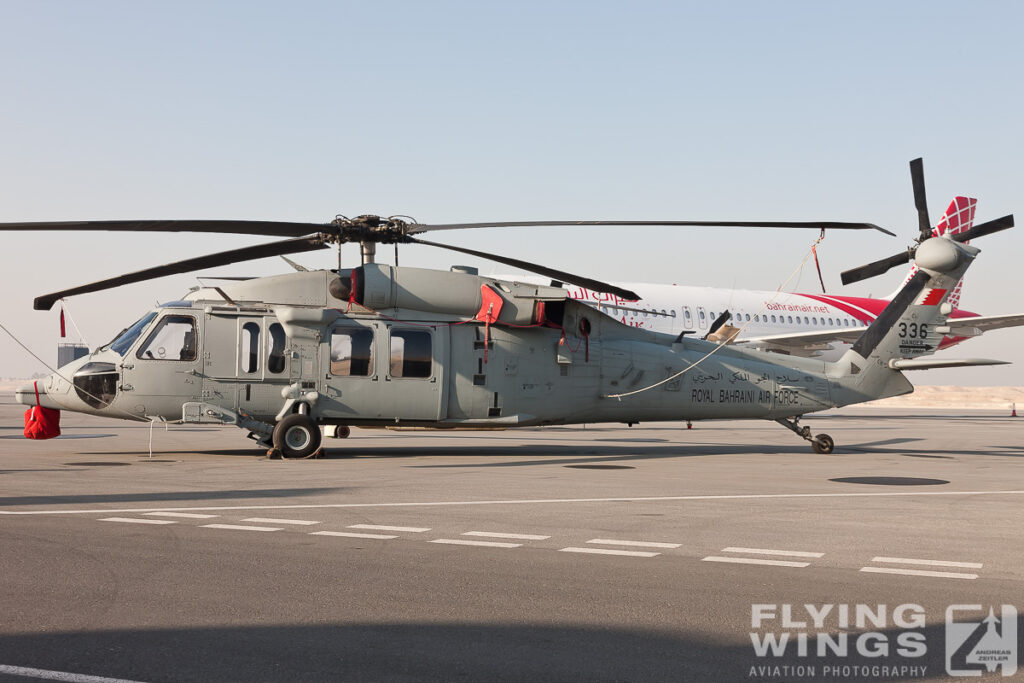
491,306
40,422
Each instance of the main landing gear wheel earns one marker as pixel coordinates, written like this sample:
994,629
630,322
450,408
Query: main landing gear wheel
297,436
823,444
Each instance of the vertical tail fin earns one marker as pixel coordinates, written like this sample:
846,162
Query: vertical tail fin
959,217
908,327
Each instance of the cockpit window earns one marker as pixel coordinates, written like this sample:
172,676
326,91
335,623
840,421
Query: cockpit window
124,341
173,339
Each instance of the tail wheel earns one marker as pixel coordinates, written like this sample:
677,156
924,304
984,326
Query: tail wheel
823,444
297,436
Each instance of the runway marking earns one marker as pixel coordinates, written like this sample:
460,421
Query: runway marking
187,515
496,534
638,544
485,544
381,527
241,527
531,501
268,520
351,534
930,563
918,572
751,560
606,551
58,675
138,521
768,551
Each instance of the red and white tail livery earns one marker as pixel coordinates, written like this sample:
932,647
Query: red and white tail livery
959,218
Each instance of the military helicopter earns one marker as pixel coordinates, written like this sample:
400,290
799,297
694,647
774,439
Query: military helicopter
379,345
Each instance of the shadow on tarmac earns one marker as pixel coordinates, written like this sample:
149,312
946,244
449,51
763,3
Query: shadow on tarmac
240,494
459,651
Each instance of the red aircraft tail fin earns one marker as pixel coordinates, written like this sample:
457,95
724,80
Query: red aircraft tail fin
958,218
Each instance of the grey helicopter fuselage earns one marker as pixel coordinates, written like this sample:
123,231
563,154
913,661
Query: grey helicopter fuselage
380,345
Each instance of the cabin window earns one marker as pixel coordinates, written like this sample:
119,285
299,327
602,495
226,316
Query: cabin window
249,349
830,321
773,318
687,316
672,312
789,319
352,352
757,318
275,357
411,354
173,339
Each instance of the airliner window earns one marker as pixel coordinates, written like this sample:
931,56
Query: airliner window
411,353
124,341
173,339
250,348
352,352
830,321
688,316
275,357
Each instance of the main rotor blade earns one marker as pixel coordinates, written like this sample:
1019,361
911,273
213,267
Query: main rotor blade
293,246
269,228
560,275
917,177
874,268
815,225
986,228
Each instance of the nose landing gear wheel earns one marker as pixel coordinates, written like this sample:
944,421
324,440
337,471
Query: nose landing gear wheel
297,436
823,444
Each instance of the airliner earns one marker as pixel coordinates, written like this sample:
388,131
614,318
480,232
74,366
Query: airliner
810,325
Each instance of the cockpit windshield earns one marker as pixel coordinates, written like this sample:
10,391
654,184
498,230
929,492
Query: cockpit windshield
124,341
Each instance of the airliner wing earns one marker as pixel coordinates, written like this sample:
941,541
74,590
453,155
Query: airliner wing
806,344
972,327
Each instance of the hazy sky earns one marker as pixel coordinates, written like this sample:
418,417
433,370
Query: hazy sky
515,111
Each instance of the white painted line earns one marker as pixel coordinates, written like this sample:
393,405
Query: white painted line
58,675
485,544
606,551
917,572
929,563
348,534
534,501
769,551
241,527
186,515
381,527
495,534
637,544
268,520
138,521
750,560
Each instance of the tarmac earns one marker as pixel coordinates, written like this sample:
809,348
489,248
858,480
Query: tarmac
584,553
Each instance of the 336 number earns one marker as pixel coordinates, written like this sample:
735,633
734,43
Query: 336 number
913,331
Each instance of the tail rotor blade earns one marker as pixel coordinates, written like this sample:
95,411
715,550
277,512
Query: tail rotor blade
875,268
920,201
986,228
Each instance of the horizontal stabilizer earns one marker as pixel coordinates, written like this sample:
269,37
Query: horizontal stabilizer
931,363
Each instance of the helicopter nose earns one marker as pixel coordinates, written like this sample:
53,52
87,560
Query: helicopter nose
27,395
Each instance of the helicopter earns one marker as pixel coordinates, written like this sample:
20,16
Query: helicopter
377,345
